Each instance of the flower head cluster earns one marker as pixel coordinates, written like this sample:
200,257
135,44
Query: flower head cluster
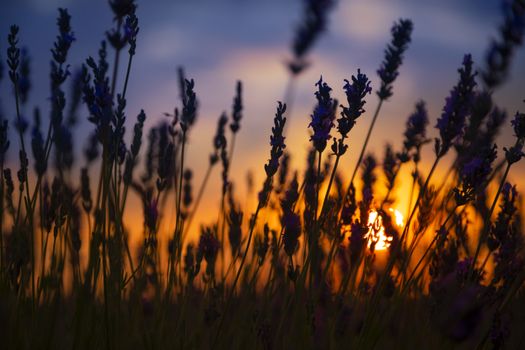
369,177
37,146
122,8
209,247
13,53
24,83
355,94
237,109
65,37
87,202
323,116
276,141
189,109
388,71
131,30
474,174
235,227
278,146
307,32
187,188
499,55
151,213
219,140
98,97
500,230
518,124
415,133
515,153
457,108
4,140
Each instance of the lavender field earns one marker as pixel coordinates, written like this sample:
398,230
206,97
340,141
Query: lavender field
314,209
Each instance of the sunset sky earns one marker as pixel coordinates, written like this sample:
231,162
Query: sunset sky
220,41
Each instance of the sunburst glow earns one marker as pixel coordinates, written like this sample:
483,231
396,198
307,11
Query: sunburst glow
376,235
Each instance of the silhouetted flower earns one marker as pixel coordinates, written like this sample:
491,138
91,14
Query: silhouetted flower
506,241
235,228
322,117
122,8
312,25
261,244
189,110
187,189
37,146
209,246
24,82
457,108
369,177
388,71
355,94
151,214
390,165
87,202
278,146
237,109
131,30
518,123
415,133
4,140
64,39
136,143
292,230
276,141
501,50
514,153
474,174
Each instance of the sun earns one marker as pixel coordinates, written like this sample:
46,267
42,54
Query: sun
376,235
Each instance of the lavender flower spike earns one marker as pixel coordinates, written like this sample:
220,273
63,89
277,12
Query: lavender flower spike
323,116
307,32
355,94
388,71
278,146
415,132
276,141
457,108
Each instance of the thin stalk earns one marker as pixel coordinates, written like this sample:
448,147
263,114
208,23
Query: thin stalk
363,149
330,182
26,181
412,189
198,199
116,63
289,95
373,300
236,280
434,240
485,231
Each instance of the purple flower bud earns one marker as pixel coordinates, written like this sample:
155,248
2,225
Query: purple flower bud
388,71
355,94
457,108
323,116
